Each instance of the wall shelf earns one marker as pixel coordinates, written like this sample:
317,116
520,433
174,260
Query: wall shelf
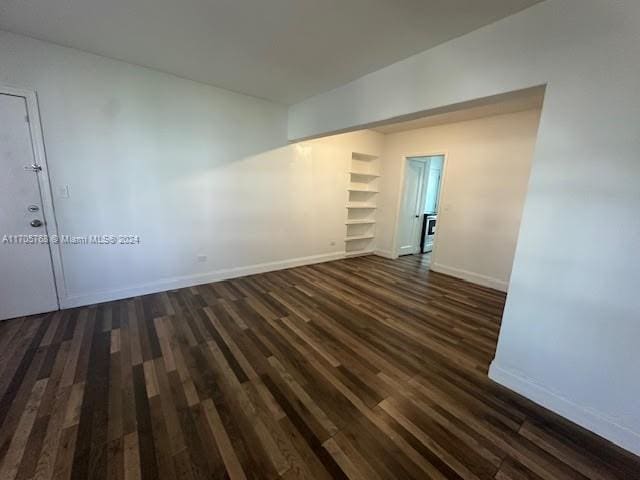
360,222
358,237
366,206
364,157
363,173
362,190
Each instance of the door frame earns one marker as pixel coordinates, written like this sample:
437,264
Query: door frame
44,183
401,188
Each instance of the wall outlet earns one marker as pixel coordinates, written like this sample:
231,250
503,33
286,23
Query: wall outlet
201,258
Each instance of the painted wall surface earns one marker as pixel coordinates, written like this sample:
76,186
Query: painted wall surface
572,321
483,192
193,170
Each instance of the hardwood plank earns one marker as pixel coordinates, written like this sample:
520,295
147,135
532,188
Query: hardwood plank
365,368
13,457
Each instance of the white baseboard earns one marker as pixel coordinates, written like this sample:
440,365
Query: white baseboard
385,254
590,419
358,253
192,280
472,277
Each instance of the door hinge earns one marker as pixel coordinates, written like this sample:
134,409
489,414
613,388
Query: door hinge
33,168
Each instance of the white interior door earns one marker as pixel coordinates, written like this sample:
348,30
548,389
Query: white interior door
411,208
26,274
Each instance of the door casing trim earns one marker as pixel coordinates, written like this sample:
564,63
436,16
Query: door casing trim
44,183
401,187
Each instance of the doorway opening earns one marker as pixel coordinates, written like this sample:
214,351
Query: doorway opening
420,205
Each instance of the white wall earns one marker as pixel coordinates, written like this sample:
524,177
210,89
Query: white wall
487,173
571,326
193,170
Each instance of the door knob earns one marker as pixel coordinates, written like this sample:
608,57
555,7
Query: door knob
36,223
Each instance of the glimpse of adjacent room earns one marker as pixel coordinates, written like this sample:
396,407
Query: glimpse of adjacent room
448,187
418,215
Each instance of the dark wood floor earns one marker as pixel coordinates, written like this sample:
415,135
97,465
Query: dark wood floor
364,368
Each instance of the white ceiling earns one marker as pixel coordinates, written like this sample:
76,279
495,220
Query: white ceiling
282,50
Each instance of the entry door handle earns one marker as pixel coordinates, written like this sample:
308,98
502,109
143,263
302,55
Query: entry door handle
36,223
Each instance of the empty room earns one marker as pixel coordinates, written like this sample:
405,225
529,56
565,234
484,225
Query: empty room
319,240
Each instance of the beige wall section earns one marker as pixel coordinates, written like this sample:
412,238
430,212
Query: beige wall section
484,187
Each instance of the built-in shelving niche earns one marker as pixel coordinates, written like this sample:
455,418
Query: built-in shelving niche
364,174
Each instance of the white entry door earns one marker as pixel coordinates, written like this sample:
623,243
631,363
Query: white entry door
26,274
411,208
